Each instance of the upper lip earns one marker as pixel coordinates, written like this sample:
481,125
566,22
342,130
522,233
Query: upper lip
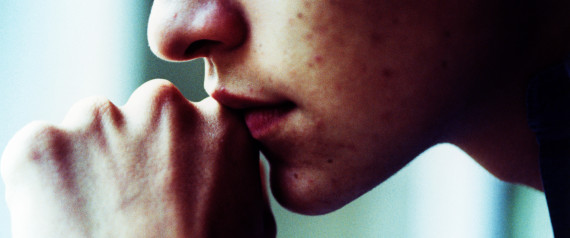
244,103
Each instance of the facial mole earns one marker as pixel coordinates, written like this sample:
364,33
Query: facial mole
329,161
296,175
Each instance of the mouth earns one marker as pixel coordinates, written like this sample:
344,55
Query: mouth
262,120
261,115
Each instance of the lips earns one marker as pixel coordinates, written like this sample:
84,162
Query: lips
261,121
261,115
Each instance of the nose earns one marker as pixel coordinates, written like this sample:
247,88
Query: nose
187,29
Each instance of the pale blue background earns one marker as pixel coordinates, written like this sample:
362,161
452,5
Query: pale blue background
55,52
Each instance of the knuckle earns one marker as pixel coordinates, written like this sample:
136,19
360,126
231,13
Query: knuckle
35,144
162,92
91,112
156,99
93,106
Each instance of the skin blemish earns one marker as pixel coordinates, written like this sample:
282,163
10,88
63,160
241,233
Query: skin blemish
296,175
318,59
329,161
300,15
308,36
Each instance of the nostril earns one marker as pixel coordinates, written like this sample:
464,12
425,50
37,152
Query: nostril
200,48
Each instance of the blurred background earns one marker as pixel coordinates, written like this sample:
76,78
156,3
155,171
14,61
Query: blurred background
56,52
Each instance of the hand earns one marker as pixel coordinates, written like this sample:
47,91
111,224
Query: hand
159,166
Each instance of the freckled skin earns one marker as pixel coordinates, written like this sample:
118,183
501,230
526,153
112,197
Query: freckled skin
375,83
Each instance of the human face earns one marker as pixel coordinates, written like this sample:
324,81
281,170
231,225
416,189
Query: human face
339,94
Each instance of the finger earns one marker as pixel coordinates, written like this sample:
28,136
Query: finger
156,100
36,161
271,227
38,142
39,179
221,119
93,113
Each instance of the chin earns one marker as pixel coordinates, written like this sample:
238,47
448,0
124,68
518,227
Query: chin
309,191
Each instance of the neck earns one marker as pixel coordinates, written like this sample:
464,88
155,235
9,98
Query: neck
504,145
493,127
494,131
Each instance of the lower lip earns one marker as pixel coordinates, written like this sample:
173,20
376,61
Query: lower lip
261,121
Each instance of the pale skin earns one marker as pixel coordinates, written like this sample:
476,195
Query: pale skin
368,86
138,170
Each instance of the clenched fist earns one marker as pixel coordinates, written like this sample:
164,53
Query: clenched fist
159,166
